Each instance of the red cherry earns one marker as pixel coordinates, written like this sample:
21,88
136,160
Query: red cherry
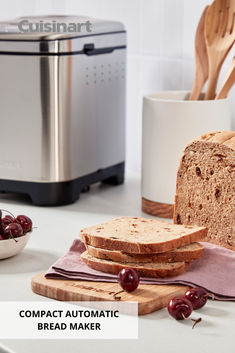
6,221
197,296
13,230
2,237
128,279
180,308
25,223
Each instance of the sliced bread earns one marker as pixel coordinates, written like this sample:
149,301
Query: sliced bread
140,235
205,190
144,269
186,253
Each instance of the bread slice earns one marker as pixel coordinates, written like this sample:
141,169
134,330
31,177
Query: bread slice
140,235
186,253
205,190
144,269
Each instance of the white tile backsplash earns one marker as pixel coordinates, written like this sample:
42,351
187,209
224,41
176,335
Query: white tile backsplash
173,28
160,47
171,72
152,23
134,108
192,14
151,78
187,73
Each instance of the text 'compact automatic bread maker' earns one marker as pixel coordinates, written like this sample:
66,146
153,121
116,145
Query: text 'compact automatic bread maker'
62,108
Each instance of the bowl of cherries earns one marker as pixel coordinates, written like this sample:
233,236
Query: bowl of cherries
14,233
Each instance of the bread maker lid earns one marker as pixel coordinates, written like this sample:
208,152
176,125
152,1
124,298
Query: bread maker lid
59,34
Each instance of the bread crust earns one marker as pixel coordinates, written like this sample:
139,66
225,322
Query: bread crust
178,255
137,247
175,269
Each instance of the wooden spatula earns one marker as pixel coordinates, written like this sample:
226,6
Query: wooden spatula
220,36
201,59
228,82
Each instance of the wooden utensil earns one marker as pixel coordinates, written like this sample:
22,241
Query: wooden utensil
228,82
220,36
201,59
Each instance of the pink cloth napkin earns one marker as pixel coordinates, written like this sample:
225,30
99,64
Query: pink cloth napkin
215,271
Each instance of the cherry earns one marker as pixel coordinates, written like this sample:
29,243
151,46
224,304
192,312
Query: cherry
128,279
2,237
6,221
180,308
25,223
197,296
13,230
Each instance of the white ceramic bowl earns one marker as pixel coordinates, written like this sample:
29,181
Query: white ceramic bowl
10,247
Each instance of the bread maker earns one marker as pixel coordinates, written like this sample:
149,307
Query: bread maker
62,106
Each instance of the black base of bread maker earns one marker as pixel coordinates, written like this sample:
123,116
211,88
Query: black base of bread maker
66,192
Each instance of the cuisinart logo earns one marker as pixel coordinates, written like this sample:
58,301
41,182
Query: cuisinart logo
54,27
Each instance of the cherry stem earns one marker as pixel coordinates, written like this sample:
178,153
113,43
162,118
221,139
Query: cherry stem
11,237
196,321
8,212
115,294
211,295
185,318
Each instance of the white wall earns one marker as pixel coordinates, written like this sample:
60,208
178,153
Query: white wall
160,46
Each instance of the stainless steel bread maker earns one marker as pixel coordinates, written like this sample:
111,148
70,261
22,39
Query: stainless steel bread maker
62,108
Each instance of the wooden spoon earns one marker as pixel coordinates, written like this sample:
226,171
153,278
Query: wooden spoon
201,59
220,36
228,82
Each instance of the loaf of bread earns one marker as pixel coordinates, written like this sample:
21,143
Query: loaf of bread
186,253
144,269
140,235
205,189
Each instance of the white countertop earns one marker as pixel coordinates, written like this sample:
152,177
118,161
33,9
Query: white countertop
57,227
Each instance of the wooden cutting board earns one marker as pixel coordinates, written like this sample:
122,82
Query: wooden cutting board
149,297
